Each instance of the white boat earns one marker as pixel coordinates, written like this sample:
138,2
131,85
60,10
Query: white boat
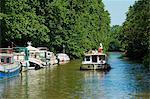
40,57
62,58
21,55
35,63
51,56
34,60
8,66
95,60
47,56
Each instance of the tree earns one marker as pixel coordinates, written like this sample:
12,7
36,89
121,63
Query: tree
115,41
79,25
136,30
21,24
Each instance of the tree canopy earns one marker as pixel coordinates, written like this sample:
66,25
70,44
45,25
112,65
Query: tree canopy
115,41
78,25
136,30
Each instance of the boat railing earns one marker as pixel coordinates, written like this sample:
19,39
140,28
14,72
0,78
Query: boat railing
6,50
93,53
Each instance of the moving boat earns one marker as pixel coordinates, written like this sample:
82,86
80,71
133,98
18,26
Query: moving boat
95,60
8,66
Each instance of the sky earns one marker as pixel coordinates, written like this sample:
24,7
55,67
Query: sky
118,10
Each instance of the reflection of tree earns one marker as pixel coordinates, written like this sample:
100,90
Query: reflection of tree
141,80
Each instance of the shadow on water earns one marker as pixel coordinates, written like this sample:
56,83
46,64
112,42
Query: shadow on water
124,81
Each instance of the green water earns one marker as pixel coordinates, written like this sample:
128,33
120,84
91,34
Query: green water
126,80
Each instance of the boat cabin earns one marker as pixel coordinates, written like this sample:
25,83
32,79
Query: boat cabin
6,56
6,60
95,58
8,66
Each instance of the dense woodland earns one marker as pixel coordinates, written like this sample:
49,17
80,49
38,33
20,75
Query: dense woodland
136,32
76,26
133,37
79,25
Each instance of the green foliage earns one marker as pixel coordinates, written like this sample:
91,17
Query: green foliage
115,41
21,24
79,25
136,30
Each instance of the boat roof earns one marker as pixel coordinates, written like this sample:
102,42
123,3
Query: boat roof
6,48
93,52
90,54
6,54
38,51
61,54
31,48
42,48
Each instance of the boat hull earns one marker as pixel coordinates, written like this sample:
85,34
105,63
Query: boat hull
9,74
95,67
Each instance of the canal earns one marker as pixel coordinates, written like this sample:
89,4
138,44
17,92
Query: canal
126,80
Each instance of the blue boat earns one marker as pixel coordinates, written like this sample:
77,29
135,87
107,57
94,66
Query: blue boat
8,66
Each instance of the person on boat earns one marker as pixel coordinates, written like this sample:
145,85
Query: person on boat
100,49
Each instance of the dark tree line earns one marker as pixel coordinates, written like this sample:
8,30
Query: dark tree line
80,25
136,31
115,41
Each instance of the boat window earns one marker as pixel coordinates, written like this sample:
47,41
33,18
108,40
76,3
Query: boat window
2,60
87,58
7,60
49,54
94,58
102,57
41,54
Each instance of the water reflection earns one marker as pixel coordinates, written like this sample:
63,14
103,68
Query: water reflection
126,80
92,84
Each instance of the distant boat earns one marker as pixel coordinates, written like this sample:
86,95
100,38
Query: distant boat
51,56
48,57
8,66
95,60
63,58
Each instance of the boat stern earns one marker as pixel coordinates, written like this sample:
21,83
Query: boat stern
94,67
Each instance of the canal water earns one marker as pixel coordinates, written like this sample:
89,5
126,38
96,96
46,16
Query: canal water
126,80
